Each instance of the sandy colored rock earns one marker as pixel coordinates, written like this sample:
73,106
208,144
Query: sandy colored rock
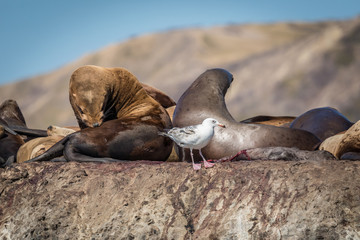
142,200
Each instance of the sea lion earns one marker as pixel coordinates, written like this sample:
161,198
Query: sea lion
133,136
10,142
94,94
39,145
278,121
159,96
206,98
61,131
344,142
36,147
322,122
11,114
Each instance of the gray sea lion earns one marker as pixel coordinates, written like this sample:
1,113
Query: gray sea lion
132,136
97,93
206,98
322,122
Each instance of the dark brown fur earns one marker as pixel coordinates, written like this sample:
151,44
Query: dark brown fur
322,122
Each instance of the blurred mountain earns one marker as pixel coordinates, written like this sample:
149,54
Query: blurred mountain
279,69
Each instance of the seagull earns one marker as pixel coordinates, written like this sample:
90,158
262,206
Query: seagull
194,137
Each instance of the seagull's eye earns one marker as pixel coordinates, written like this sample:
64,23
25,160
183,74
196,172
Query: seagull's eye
213,121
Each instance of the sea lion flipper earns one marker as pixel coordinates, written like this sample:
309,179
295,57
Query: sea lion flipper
29,132
71,154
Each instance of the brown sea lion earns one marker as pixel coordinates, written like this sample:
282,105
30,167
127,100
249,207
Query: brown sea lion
206,98
322,122
339,144
278,121
159,96
61,131
36,147
133,136
11,114
94,94
10,142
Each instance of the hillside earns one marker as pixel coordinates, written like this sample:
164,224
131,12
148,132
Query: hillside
279,69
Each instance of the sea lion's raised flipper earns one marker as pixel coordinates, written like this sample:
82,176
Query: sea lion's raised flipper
29,132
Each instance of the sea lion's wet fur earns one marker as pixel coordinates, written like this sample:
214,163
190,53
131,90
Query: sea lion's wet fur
206,98
132,136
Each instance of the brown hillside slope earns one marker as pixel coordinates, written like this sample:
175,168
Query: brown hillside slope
279,69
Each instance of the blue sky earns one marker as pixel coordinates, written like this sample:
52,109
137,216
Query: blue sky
38,36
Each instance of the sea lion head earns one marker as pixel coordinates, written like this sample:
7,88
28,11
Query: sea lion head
90,107
204,98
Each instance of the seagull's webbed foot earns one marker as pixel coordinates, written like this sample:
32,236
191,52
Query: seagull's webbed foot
208,164
196,166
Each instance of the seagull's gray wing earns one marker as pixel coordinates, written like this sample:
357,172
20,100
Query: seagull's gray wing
188,130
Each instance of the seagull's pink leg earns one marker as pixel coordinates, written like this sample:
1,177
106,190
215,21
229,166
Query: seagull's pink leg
183,154
195,166
206,163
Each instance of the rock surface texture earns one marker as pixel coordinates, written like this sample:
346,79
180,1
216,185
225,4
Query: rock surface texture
142,200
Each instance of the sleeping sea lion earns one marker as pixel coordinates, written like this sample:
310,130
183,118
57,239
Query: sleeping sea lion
36,147
206,98
94,94
61,131
132,136
322,122
344,142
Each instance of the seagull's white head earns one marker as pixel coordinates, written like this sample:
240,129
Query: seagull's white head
212,122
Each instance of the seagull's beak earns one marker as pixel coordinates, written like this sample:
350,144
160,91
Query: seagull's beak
221,125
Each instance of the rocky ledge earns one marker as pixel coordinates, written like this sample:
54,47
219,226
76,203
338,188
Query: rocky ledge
152,200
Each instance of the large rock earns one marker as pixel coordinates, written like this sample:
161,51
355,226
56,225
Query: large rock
142,200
